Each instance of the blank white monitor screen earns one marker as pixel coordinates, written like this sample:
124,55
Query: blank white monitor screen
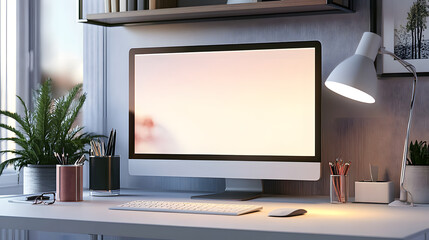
246,104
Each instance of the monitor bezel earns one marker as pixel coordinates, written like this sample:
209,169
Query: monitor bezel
227,47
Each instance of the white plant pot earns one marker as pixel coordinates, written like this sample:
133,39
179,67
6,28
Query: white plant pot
39,179
416,181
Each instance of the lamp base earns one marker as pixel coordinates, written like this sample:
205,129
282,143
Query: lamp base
398,203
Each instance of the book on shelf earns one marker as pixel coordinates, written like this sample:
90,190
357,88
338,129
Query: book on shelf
114,5
107,6
123,5
131,5
157,4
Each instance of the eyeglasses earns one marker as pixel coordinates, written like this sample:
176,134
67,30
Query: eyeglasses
47,198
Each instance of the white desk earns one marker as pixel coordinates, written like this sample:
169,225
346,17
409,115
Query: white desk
323,220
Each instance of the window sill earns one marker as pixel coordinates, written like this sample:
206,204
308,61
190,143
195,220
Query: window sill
8,178
10,191
9,183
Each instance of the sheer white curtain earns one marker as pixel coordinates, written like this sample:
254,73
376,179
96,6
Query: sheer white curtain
8,36
16,69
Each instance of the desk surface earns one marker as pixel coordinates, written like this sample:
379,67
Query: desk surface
323,220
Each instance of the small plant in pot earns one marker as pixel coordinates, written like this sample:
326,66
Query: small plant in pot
416,179
43,131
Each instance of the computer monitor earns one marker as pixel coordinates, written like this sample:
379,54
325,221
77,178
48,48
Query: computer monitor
237,111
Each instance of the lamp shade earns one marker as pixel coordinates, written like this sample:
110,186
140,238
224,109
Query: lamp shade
355,77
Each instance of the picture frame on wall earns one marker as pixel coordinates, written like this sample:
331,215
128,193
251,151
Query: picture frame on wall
404,27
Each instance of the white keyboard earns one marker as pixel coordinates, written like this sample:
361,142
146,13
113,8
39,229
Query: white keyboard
188,207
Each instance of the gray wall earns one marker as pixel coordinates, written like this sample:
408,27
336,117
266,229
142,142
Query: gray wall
357,132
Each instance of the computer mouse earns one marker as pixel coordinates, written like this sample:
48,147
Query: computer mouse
287,212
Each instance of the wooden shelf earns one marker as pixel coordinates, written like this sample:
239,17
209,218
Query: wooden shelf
247,10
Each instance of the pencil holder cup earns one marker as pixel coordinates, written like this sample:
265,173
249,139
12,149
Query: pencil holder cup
104,175
69,183
339,188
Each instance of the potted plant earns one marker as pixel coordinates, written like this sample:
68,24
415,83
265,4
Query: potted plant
43,131
416,179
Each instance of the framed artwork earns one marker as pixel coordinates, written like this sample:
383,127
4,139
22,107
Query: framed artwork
403,24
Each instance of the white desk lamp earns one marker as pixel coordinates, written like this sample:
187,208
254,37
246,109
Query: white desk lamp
355,78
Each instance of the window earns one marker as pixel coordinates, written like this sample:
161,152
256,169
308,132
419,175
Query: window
8,60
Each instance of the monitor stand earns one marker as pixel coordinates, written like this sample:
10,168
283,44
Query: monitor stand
237,189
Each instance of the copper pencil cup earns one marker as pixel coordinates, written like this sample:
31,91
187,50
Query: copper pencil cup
69,183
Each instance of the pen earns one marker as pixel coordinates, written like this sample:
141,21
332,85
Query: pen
114,144
109,143
80,160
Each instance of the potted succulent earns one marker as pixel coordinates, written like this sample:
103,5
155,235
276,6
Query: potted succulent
416,179
39,133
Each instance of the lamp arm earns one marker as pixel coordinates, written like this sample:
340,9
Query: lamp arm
412,70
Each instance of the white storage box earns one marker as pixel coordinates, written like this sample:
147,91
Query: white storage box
374,192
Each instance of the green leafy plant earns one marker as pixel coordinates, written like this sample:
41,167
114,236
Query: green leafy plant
47,129
418,153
